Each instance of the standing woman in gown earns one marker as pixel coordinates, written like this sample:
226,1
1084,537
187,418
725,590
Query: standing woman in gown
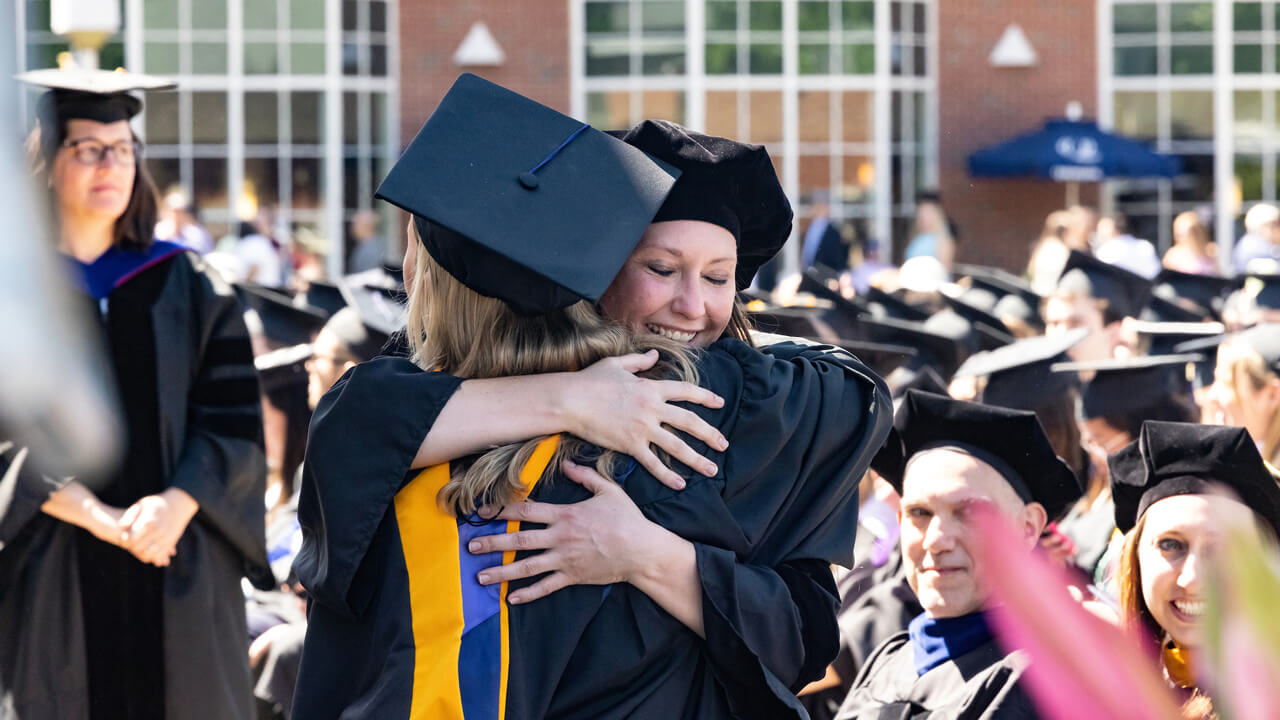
120,596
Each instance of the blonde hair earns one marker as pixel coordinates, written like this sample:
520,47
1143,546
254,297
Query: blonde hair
453,329
1243,363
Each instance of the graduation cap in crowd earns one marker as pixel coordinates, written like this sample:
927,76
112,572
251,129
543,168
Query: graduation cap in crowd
990,330
279,319
799,322
882,358
1155,338
1170,459
74,94
974,336
1011,441
884,305
724,182
362,338
1016,303
844,314
1164,310
1126,293
1263,339
284,367
1020,375
521,203
1121,386
329,297
938,353
1262,290
1204,292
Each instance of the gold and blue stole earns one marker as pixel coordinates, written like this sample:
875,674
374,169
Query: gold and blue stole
460,628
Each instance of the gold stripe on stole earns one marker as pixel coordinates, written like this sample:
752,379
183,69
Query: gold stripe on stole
429,540
529,476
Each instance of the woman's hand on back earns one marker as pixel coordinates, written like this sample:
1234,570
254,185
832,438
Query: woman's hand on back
609,406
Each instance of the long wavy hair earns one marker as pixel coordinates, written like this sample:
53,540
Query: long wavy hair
1243,364
453,329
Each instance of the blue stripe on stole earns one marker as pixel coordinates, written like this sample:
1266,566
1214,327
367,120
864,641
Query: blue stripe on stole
480,656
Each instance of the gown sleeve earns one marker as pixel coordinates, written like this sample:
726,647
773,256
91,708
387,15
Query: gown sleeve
221,463
23,491
361,443
808,421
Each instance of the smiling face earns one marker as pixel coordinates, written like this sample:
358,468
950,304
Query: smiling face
93,192
940,490
1180,533
678,282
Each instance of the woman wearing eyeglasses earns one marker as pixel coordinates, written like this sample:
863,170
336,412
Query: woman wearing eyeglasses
120,595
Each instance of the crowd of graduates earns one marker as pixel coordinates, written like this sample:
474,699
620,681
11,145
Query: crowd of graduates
297,466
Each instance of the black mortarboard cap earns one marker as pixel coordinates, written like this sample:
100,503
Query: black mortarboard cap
1011,441
1263,290
882,358
1126,293
1205,291
1126,385
283,322
284,367
1019,375
884,305
362,340
75,94
724,182
940,353
1000,282
1015,309
992,331
975,336
329,297
1164,338
1171,458
521,203
1164,310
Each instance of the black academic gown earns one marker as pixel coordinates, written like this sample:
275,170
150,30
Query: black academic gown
84,627
981,684
802,425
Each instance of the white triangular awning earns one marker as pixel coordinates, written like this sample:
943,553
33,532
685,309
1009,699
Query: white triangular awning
1013,49
479,48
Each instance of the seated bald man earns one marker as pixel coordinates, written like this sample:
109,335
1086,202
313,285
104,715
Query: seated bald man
955,454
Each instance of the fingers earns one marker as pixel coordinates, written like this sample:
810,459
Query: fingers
544,587
659,469
130,516
676,448
528,567
681,419
638,362
676,391
529,511
516,541
586,477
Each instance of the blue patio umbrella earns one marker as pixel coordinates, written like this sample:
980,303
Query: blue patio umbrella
1072,151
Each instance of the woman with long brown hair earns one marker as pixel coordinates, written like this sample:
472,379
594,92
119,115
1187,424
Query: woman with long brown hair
1173,519
120,595
633,646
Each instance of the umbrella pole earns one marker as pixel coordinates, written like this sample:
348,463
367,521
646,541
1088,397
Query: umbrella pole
1073,193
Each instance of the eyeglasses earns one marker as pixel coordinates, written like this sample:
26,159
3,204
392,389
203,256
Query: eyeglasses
89,151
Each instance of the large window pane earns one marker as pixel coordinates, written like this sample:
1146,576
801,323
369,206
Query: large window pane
766,116
377,16
1135,18
161,58
209,118
260,58
859,178
161,118
859,59
166,173
1191,17
859,15
722,59
663,60
1248,125
608,17
765,59
1248,177
662,16
1191,114
815,174
722,15
307,117
857,117
307,183
1136,115
306,59
156,15
815,116
814,16
814,59
609,110
766,15
209,58
209,14
607,58
260,116
1248,58
722,113
664,104
306,14
1139,60
378,60
1247,16
210,182
258,14
262,180
1191,59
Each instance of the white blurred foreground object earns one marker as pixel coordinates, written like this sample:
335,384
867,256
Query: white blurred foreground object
53,397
